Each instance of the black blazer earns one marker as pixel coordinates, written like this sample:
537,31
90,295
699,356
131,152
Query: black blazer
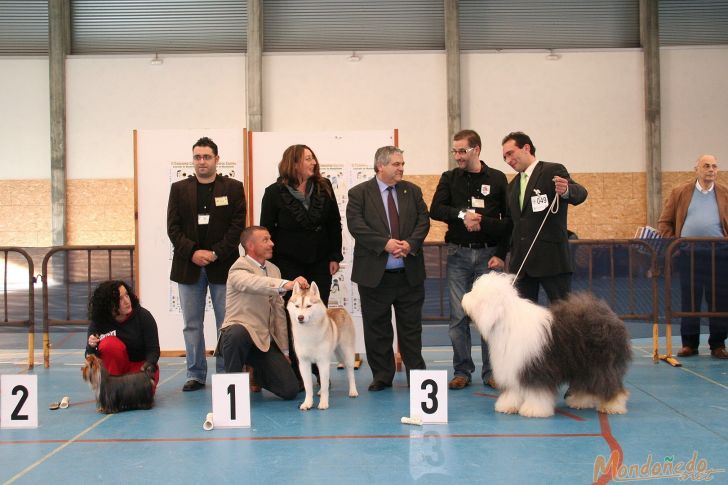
306,236
366,219
550,254
223,233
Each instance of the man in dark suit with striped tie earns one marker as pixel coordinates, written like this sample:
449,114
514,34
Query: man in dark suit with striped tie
389,222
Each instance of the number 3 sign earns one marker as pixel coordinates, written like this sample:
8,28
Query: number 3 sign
428,395
19,401
231,400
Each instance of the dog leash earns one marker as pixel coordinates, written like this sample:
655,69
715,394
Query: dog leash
551,210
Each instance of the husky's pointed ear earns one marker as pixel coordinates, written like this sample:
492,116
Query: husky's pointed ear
314,288
296,287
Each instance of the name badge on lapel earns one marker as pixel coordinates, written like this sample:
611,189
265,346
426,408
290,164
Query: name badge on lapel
539,202
203,219
220,201
477,203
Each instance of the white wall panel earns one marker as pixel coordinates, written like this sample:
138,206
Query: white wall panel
108,97
584,110
694,105
25,118
329,93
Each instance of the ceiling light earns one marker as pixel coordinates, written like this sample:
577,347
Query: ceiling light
552,55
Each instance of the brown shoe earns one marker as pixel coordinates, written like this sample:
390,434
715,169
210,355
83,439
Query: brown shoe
719,353
687,352
491,383
458,382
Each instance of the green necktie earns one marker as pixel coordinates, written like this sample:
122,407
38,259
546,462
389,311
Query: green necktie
524,182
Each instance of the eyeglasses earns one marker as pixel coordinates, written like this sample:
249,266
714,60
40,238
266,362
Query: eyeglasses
206,158
461,151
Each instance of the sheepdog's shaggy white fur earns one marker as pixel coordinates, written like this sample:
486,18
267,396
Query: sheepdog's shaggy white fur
579,341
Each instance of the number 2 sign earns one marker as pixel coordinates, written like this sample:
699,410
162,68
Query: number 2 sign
231,400
428,395
19,401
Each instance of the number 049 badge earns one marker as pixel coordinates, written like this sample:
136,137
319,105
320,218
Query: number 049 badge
539,202
428,395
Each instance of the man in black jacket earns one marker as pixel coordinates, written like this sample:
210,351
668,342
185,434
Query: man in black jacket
530,197
205,216
471,199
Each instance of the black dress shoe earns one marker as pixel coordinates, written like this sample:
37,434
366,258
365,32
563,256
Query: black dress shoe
192,385
378,386
719,353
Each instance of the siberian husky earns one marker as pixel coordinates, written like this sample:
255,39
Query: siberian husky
318,332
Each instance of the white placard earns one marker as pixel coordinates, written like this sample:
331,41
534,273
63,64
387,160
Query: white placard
231,400
428,395
19,401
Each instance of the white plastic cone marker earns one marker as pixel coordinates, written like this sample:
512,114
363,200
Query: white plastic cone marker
208,424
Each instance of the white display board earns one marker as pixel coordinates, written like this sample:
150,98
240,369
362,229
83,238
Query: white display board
346,159
162,158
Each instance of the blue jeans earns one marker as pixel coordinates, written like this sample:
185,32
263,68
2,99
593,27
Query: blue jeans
464,265
192,298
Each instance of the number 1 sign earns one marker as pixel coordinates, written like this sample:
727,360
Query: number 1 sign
231,400
19,401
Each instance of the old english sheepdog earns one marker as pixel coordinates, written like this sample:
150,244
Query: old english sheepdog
579,341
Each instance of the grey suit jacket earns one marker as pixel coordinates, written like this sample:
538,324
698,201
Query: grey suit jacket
367,222
253,301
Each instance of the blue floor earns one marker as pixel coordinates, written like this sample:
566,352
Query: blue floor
674,413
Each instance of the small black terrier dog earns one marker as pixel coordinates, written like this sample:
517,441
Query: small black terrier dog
115,394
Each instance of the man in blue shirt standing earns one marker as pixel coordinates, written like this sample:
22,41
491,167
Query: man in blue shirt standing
700,209
389,222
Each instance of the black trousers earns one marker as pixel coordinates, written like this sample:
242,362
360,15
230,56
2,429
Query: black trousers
557,287
272,370
376,308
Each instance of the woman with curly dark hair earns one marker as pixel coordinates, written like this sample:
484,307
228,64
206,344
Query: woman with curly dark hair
302,216
122,333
